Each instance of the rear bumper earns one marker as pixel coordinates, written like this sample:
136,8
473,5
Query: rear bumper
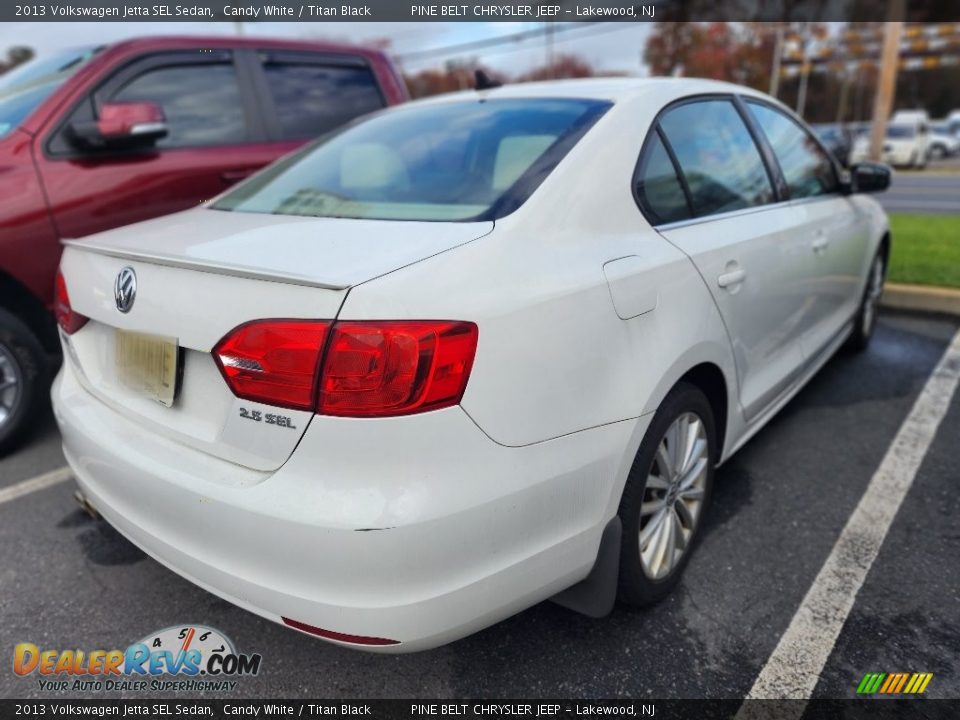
417,529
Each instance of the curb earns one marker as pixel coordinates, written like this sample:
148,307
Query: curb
921,297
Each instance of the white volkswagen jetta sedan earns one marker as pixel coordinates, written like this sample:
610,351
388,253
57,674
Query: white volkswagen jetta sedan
464,355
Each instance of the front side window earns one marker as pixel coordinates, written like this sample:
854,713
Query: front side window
719,160
447,161
201,103
311,100
807,169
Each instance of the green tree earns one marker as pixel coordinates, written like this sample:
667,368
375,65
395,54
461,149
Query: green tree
15,56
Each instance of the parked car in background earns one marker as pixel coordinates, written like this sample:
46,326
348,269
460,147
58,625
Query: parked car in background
466,354
906,145
95,138
953,122
910,117
943,143
837,139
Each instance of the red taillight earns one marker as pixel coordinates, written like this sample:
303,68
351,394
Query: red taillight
69,320
341,637
395,368
370,368
273,361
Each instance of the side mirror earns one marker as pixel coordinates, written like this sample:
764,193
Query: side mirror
122,125
869,177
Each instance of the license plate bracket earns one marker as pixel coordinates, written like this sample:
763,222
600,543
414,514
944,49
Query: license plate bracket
148,365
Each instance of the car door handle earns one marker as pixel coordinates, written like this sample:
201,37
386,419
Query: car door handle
732,278
820,243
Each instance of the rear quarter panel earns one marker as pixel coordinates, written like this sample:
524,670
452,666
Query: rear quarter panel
553,356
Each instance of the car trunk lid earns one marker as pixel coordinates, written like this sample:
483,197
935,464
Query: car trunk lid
202,273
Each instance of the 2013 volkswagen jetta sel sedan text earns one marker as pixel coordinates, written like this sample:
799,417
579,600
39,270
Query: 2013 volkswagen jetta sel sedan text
464,355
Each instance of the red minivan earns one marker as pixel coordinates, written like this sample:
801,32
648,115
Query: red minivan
98,137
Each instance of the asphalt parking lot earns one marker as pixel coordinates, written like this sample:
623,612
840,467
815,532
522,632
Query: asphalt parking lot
779,506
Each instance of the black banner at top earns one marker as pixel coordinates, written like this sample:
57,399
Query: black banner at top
528,709
165,709
502,11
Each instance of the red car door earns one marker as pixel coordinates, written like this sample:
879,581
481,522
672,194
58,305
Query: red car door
216,137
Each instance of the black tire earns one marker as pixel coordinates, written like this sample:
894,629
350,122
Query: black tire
865,320
22,359
636,586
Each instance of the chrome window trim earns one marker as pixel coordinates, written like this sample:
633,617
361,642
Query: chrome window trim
748,211
724,216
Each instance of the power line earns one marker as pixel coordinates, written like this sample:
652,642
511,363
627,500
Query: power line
515,38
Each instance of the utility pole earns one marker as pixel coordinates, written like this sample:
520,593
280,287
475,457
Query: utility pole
805,67
887,83
548,38
777,54
804,81
844,93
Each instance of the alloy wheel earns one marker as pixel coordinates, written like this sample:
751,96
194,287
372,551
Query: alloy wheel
874,290
10,385
673,495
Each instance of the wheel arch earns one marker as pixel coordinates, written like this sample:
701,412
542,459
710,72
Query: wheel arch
709,379
20,302
884,249
710,367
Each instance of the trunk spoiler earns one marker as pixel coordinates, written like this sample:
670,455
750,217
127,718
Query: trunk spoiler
218,268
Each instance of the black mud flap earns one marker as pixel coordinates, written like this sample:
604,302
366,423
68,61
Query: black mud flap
596,594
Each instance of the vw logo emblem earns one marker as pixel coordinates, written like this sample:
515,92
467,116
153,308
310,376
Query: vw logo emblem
125,289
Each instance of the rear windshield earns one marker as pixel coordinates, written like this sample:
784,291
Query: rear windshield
467,160
28,85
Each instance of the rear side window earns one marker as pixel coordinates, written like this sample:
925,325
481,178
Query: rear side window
658,187
312,99
718,158
201,103
807,169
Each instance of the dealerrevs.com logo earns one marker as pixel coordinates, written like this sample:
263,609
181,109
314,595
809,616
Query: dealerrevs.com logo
181,658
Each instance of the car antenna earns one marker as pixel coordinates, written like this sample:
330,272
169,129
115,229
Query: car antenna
484,81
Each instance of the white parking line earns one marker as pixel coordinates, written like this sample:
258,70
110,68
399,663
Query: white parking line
35,483
794,668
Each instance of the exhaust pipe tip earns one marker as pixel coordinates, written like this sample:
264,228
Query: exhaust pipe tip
85,504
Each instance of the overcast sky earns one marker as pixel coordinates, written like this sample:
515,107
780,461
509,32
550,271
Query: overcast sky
608,46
